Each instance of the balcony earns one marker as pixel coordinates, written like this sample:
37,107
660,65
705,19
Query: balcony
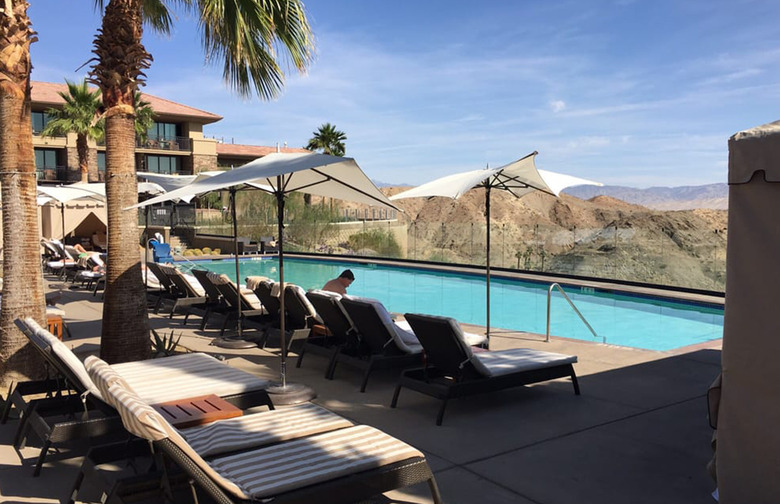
165,143
52,173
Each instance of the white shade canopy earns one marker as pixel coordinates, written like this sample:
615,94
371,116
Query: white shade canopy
282,173
519,178
64,194
173,182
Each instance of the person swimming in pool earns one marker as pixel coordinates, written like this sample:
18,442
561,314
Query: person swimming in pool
339,284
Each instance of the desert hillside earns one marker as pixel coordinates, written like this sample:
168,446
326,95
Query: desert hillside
601,237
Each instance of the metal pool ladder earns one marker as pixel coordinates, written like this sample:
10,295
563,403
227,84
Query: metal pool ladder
566,297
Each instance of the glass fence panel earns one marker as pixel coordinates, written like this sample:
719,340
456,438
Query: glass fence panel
618,250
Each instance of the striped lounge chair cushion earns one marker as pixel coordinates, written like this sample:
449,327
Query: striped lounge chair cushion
261,429
186,375
299,463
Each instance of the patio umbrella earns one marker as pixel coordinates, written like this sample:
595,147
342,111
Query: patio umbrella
518,178
280,174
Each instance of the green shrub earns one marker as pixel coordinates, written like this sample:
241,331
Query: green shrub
216,251
196,252
378,240
206,251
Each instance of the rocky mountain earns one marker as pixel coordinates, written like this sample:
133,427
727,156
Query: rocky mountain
712,196
599,237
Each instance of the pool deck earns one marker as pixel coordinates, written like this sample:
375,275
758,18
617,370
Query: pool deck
638,433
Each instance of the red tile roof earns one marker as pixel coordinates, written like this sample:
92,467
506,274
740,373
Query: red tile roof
253,151
47,93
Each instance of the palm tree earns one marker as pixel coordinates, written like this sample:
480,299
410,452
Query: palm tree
144,117
328,140
23,281
78,115
247,35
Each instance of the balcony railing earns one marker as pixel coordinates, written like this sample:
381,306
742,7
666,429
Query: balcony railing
52,173
167,143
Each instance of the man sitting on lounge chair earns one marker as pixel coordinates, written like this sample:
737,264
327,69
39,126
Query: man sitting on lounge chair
339,285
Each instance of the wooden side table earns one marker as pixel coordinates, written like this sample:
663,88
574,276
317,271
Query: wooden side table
193,411
55,325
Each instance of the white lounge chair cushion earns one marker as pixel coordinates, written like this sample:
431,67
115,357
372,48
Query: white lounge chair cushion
302,462
516,360
36,335
186,375
53,310
402,334
196,287
301,294
261,429
253,281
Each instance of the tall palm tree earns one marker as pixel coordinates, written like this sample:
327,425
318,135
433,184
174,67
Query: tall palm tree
328,140
23,281
247,35
78,115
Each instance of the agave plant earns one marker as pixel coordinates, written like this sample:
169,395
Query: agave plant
165,345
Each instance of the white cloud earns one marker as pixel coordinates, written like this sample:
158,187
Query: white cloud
557,105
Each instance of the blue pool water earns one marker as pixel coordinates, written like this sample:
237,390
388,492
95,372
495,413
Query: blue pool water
639,322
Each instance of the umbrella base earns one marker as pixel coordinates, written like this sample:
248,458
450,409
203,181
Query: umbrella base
291,393
234,343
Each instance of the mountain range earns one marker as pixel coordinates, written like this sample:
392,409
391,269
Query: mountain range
711,196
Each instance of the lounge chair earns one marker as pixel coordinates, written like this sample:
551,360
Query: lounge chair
190,294
383,343
268,245
217,303
166,290
301,317
267,292
157,380
344,465
453,370
252,312
341,331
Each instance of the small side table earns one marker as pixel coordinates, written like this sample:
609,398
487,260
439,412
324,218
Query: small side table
193,411
55,325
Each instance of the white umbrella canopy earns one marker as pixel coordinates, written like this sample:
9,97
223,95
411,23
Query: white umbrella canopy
280,174
518,178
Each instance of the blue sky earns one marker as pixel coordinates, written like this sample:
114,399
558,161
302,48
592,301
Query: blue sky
638,93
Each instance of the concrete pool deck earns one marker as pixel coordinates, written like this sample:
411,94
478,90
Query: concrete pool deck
638,433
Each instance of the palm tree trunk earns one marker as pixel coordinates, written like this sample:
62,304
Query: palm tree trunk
125,334
83,153
23,280
121,60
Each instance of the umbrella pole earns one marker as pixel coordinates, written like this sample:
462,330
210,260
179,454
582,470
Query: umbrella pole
62,212
146,247
282,314
235,249
487,260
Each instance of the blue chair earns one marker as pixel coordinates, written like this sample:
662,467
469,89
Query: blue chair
161,252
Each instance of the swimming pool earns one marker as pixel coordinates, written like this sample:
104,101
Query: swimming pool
633,321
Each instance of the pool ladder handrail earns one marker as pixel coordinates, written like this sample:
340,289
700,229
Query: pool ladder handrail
571,303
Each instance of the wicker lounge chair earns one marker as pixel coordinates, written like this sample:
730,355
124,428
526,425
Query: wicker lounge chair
191,297
344,465
217,303
252,312
453,370
157,380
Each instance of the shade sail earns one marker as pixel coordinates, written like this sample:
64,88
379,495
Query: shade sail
317,174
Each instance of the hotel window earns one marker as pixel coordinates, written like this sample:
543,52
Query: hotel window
162,164
101,161
39,121
45,159
163,131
